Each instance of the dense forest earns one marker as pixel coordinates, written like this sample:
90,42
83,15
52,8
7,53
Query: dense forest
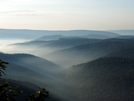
74,65
103,79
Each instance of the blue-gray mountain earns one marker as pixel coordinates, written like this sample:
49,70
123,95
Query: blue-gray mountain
123,32
87,52
105,70
34,34
104,79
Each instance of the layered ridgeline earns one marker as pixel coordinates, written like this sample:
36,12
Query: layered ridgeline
87,52
61,42
39,71
34,63
48,41
33,34
41,48
27,88
103,79
123,32
126,52
26,67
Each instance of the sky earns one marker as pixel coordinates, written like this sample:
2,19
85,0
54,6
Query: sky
67,14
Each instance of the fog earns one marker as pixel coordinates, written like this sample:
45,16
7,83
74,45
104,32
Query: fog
4,42
48,63
53,78
5,45
49,52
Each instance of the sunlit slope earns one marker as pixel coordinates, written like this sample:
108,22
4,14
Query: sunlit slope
104,79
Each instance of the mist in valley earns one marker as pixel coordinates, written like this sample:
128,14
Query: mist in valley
78,50
34,70
61,63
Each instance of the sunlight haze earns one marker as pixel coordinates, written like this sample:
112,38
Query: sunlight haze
67,14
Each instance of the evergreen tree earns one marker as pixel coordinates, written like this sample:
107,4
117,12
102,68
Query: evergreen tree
8,93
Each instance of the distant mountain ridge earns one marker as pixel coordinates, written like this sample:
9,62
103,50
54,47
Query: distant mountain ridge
74,65
87,52
34,34
40,48
125,37
61,42
123,32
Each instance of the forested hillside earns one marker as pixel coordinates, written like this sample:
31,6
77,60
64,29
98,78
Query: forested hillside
87,52
104,79
73,65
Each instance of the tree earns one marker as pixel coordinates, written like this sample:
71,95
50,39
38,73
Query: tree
38,96
8,93
2,67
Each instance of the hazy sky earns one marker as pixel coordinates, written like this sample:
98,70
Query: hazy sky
67,14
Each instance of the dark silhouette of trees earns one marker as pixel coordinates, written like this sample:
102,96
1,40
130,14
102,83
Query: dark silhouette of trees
2,67
38,96
8,93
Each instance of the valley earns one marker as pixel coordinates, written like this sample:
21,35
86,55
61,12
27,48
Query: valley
75,65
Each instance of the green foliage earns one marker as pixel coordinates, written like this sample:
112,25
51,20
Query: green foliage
8,93
2,67
103,79
38,96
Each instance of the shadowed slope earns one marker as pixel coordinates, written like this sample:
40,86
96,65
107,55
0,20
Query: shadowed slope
104,79
87,52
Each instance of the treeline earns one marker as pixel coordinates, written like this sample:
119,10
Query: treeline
10,93
104,79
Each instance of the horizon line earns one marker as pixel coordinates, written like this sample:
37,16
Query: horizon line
65,29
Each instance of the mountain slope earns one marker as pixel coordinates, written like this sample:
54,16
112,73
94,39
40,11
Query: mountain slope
61,42
27,88
50,37
131,37
126,52
70,42
87,52
30,61
26,67
97,36
123,32
40,48
17,69
104,79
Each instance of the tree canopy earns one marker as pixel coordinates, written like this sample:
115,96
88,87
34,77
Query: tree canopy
8,93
